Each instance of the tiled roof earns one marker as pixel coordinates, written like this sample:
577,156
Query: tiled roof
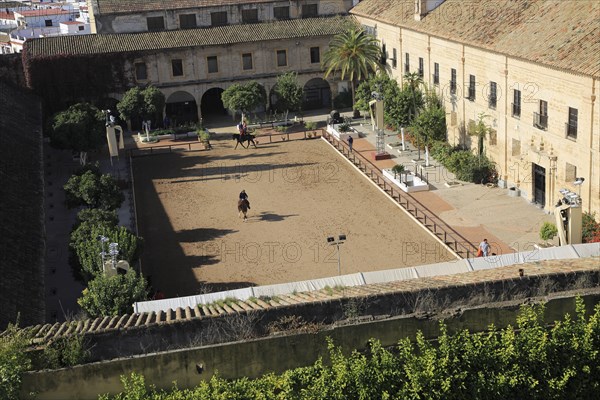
224,35
128,6
47,11
559,33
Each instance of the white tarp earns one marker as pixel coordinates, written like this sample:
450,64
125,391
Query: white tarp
588,250
390,275
283,288
445,268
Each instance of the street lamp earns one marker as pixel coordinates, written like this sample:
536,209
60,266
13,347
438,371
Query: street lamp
578,182
341,239
106,117
113,251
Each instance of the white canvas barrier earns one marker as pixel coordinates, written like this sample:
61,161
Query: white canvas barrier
587,250
390,275
445,268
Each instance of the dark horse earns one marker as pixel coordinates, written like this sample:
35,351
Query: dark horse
243,207
240,139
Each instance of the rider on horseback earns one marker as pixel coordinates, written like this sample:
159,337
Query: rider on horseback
244,196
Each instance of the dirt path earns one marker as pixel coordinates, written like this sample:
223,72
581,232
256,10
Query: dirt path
300,192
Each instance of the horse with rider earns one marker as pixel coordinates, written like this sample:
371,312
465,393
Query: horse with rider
243,205
243,136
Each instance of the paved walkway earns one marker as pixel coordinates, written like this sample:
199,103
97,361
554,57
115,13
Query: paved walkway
475,211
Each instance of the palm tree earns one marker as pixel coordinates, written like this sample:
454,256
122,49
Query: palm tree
353,53
413,83
481,130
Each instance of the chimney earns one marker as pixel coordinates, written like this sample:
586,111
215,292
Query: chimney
420,9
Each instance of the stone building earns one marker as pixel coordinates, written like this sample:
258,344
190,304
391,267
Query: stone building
531,67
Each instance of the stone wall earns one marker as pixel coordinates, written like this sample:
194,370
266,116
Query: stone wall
272,354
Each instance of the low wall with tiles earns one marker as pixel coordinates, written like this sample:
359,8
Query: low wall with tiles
362,318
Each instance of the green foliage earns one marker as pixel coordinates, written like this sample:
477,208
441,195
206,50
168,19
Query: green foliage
14,361
203,135
548,231
289,92
243,98
141,103
529,361
480,130
310,125
96,216
590,228
112,296
86,246
398,169
65,352
464,164
430,125
342,100
80,128
93,190
353,54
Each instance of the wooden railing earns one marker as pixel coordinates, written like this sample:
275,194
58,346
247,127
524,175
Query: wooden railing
455,241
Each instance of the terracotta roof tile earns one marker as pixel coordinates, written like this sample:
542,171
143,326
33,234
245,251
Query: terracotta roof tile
128,6
218,36
563,34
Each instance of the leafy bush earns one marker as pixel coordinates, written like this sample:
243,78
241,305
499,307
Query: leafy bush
343,100
96,216
161,132
548,231
14,361
114,295
65,352
441,151
590,228
80,128
528,361
93,190
464,164
310,125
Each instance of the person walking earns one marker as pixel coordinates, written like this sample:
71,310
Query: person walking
350,142
484,249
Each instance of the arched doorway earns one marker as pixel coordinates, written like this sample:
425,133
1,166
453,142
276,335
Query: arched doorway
317,94
211,104
181,108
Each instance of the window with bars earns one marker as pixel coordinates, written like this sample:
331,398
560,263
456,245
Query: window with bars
315,55
310,10
212,64
141,72
452,81
436,73
421,67
493,96
472,82
177,67
250,16
155,23
247,61
540,119
187,21
571,127
281,58
516,104
394,59
218,18
281,12
406,63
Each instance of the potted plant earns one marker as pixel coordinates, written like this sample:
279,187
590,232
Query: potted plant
548,231
398,170
310,126
204,137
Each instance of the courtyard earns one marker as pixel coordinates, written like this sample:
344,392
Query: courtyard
300,193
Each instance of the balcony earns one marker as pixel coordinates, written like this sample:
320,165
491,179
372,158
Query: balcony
540,121
516,110
571,131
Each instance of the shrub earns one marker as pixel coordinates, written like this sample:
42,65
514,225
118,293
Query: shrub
548,231
93,190
343,100
310,125
14,361
65,352
590,228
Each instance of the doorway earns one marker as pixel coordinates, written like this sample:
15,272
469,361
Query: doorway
539,185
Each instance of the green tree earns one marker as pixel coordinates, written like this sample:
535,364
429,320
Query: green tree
243,98
114,295
480,130
430,125
141,104
353,54
86,246
289,93
548,231
96,216
14,361
94,190
80,128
